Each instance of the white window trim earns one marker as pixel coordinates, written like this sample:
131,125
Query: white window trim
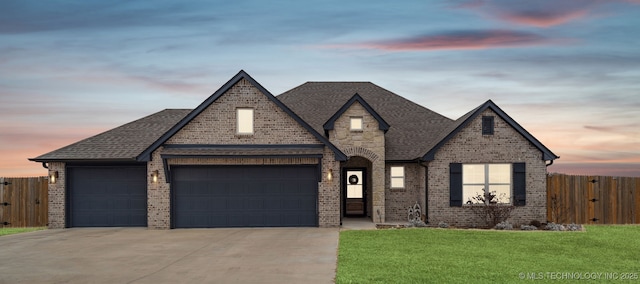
351,123
391,177
238,121
487,184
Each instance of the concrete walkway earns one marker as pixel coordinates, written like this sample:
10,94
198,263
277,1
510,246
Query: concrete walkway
118,255
357,224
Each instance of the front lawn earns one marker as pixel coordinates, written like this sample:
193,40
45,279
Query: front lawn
429,255
11,231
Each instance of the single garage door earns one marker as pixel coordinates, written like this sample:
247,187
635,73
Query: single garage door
244,196
107,196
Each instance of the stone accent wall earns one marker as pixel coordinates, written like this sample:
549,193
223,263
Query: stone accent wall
217,123
368,143
398,200
470,146
57,197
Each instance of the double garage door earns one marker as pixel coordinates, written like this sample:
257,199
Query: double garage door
244,196
202,197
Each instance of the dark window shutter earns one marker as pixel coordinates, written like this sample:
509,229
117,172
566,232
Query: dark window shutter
519,184
455,184
487,125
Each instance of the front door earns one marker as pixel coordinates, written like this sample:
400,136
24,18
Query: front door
355,194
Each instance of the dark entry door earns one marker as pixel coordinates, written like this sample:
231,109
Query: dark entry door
110,196
354,192
244,196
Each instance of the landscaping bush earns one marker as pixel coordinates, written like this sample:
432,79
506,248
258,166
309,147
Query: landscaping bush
528,228
490,207
443,225
535,223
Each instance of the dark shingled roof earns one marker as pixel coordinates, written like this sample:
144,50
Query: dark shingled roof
122,143
414,129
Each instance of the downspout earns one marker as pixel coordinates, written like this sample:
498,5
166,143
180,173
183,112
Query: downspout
44,165
426,191
549,164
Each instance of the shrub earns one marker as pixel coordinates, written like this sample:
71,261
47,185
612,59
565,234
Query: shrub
535,223
504,226
443,225
490,208
528,228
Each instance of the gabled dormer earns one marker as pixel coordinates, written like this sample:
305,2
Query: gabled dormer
352,111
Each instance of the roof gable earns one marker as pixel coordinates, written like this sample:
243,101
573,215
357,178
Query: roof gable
463,121
382,125
146,155
317,102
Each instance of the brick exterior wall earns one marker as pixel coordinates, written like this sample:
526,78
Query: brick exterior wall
470,146
329,192
217,125
399,200
368,143
57,197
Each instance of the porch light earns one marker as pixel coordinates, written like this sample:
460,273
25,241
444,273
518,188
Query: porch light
53,176
330,175
154,176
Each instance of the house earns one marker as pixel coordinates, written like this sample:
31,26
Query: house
308,157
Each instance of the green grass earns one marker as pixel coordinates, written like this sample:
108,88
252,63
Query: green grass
11,231
430,255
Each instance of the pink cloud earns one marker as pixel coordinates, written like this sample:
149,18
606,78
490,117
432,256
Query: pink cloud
539,13
542,19
460,40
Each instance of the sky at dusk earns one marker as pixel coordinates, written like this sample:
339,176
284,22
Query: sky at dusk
567,70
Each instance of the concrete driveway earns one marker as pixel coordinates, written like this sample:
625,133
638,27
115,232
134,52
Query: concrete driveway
119,255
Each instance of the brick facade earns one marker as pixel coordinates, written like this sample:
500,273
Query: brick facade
506,145
368,143
217,125
398,200
57,197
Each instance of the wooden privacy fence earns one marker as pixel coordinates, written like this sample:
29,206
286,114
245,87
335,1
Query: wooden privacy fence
593,199
23,202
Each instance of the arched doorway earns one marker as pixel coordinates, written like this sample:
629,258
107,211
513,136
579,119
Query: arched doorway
356,187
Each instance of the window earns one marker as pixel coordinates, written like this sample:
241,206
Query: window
480,179
487,125
354,184
244,118
397,177
356,124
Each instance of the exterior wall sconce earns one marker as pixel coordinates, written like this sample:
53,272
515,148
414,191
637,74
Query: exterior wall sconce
53,176
154,176
330,175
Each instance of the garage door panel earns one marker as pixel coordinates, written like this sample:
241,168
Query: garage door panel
241,196
107,196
